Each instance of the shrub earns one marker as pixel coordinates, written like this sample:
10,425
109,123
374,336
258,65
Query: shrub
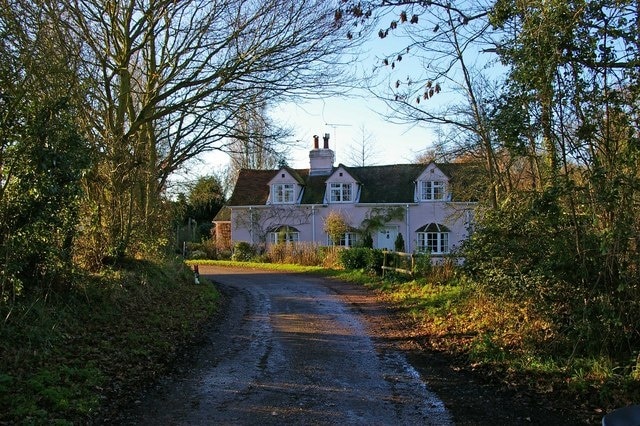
243,251
210,248
198,254
335,225
353,258
330,256
423,265
375,259
369,260
367,240
398,244
306,254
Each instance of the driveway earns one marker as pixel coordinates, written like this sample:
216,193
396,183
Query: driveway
291,349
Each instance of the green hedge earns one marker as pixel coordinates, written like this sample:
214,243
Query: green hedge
367,259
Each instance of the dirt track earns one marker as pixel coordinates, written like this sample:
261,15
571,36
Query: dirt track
293,349
292,353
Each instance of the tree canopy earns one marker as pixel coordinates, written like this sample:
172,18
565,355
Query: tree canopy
545,95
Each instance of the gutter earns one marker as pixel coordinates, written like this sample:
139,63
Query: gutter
407,235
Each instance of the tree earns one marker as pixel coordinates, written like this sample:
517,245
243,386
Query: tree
42,154
172,80
205,199
363,151
570,71
567,110
376,218
258,142
261,222
442,44
335,225
398,244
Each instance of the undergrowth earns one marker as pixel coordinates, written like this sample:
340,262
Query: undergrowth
513,342
63,356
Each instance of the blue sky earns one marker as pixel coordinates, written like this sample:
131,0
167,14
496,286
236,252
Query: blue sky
344,117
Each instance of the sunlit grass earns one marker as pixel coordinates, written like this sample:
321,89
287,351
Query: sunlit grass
285,267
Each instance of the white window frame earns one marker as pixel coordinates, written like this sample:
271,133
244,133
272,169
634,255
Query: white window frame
432,190
340,193
276,237
348,239
432,242
283,193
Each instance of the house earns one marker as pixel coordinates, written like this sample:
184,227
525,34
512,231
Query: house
430,205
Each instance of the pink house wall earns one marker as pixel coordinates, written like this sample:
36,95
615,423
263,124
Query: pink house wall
455,215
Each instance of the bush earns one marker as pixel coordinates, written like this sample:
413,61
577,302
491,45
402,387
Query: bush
243,252
367,259
353,258
528,249
210,248
198,254
375,259
306,254
367,240
398,244
423,265
330,256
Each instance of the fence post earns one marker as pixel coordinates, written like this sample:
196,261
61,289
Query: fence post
413,264
384,262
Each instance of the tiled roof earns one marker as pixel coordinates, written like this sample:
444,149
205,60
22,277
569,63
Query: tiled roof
251,187
379,184
223,215
387,184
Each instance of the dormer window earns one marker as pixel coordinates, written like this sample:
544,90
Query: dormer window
283,193
340,193
432,190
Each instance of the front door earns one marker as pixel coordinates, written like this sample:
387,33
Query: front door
387,237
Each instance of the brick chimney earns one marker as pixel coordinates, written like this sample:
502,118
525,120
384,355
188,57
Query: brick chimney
321,160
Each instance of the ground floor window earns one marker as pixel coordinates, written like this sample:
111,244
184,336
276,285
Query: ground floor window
284,234
348,239
432,238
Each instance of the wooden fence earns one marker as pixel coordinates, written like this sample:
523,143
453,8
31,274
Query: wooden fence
398,261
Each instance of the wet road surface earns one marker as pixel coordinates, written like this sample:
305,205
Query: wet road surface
290,350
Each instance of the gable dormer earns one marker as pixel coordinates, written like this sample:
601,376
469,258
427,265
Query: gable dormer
285,187
341,187
432,185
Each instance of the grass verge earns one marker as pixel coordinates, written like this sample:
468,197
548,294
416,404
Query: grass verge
513,343
62,357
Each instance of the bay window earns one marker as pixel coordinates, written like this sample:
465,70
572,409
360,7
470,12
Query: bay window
432,238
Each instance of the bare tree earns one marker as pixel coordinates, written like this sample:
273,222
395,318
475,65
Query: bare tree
363,151
258,143
171,80
262,221
439,57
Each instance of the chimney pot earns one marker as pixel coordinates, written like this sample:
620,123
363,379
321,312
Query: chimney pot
316,142
326,140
